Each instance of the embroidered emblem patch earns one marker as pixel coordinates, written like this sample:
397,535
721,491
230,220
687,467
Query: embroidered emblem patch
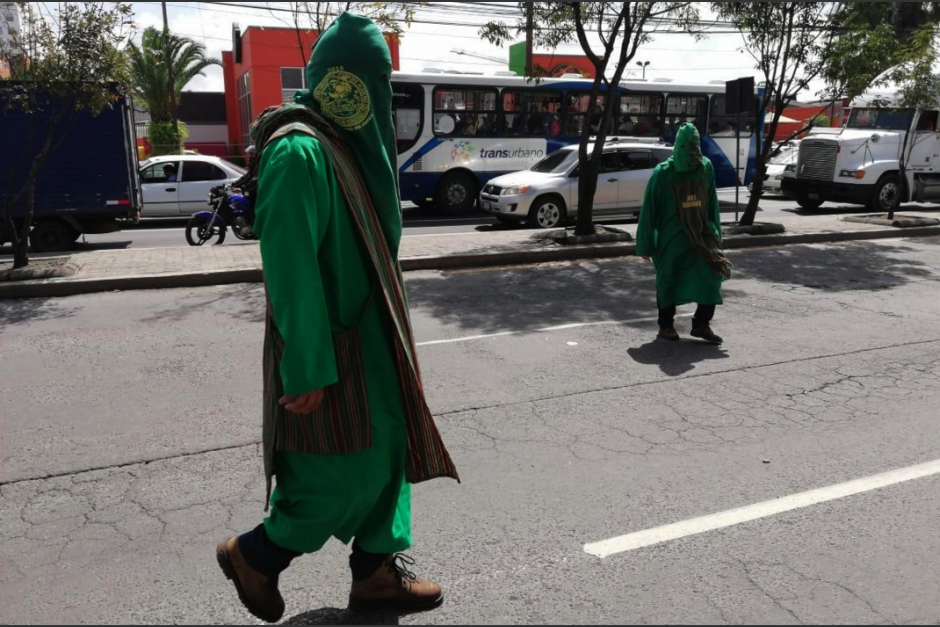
344,99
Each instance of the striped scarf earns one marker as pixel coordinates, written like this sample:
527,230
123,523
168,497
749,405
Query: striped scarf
692,199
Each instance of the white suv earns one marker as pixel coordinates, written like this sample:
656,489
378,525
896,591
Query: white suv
546,196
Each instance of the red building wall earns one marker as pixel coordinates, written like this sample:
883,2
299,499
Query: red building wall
264,52
559,64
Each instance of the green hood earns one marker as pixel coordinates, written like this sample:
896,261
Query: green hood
349,77
687,153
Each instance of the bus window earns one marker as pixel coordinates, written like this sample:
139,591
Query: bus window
460,112
640,116
722,125
683,109
408,114
531,113
581,112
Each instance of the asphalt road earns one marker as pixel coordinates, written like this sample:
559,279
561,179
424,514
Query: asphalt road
570,426
169,233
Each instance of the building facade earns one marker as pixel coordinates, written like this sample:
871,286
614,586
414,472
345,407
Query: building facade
10,23
265,68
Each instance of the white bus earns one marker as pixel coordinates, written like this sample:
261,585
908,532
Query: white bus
456,131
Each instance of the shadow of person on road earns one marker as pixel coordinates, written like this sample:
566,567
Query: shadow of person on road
331,616
676,358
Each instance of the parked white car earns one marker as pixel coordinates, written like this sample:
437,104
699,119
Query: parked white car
176,186
546,196
777,167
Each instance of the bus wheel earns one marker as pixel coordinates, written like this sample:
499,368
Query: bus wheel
52,237
887,195
456,193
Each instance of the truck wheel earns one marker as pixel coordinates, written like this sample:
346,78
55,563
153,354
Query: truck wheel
887,195
52,237
809,204
456,193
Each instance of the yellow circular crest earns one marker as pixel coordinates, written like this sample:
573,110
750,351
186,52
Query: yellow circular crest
344,99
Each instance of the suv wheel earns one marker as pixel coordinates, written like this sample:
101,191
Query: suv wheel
548,213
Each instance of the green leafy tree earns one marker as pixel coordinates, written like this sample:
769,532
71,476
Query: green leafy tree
147,74
62,66
820,121
888,45
610,35
790,43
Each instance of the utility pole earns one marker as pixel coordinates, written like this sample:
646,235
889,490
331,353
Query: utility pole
529,36
171,80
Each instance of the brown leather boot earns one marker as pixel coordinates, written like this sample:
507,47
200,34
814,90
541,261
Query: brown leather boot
704,332
394,587
258,593
669,334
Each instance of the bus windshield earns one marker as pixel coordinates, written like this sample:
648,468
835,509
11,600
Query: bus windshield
882,119
552,162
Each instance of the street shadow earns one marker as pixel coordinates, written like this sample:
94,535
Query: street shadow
524,299
532,298
676,358
244,302
858,266
343,617
86,247
831,209
15,312
158,223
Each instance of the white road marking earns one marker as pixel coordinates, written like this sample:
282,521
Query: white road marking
697,526
565,327
444,234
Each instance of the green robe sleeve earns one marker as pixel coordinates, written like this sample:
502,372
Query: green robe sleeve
646,230
296,193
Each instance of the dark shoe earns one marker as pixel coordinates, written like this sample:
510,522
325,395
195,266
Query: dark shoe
258,593
394,587
668,333
706,334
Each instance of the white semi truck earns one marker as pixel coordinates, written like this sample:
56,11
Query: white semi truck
861,162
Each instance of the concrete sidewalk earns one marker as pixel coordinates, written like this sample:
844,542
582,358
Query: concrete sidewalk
164,268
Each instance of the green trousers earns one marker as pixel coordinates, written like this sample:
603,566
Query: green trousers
350,497
361,496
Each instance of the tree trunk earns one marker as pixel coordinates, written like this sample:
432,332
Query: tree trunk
753,203
21,248
906,148
21,253
590,164
587,188
764,150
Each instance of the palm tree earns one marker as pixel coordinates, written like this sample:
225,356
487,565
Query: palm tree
148,69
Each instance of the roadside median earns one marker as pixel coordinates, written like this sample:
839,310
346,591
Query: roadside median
171,268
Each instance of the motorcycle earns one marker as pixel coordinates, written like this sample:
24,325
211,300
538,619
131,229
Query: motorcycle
230,209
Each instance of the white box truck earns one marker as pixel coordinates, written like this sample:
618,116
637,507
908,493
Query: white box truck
861,162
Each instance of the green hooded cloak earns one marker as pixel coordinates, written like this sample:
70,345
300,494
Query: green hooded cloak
321,284
349,77
680,226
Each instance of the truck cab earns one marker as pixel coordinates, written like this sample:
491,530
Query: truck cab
861,162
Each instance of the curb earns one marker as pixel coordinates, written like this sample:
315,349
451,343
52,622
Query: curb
73,287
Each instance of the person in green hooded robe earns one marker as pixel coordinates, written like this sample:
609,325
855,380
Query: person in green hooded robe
680,231
347,429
